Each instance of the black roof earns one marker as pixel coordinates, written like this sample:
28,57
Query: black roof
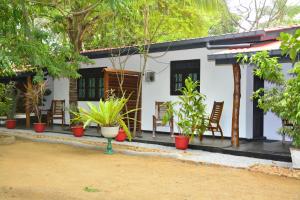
226,39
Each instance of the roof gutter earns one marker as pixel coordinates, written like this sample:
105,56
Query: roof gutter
244,45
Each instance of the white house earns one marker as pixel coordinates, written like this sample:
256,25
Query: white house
208,60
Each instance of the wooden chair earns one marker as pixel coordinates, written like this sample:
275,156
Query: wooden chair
214,120
160,110
57,111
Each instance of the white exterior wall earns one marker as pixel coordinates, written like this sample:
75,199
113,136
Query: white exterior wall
271,122
216,83
61,92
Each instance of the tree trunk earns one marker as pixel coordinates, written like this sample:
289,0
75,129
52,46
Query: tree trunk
236,105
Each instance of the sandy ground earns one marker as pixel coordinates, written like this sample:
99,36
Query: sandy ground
31,170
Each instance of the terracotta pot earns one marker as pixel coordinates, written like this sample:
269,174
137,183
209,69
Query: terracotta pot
121,137
181,142
11,123
109,132
39,127
78,131
295,154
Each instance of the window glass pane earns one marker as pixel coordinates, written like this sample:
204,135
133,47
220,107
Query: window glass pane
101,87
194,76
178,81
81,88
91,88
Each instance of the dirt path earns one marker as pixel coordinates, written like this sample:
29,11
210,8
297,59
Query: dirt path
37,171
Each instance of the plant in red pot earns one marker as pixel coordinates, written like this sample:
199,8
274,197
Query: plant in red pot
8,101
190,113
121,137
13,96
76,121
109,116
34,95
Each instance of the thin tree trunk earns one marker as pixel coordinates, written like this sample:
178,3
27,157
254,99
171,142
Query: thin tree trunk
236,105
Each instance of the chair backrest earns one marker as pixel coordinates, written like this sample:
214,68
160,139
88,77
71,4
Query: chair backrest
58,107
160,109
216,112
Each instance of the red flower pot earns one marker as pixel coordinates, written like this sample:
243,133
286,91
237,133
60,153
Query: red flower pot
121,137
11,123
78,131
39,127
181,142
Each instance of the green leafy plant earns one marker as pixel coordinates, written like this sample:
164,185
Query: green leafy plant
283,98
34,95
106,114
13,95
75,116
191,110
8,99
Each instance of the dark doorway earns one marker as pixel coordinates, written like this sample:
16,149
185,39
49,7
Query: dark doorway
258,114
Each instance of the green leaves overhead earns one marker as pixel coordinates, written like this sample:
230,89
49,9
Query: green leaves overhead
26,45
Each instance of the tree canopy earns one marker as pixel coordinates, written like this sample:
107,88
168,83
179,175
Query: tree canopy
25,45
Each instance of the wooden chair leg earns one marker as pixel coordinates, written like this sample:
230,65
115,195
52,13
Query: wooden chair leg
154,130
221,131
213,133
172,128
154,126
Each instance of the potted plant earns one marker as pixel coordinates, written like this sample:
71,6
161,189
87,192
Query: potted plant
12,95
76,121
34,95
121,137
190,114
108,115
3,100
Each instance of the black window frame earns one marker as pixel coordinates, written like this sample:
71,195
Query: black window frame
97,73
184,67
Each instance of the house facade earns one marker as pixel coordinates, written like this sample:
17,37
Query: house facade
208,60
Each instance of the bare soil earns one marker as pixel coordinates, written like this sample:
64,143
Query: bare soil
36,171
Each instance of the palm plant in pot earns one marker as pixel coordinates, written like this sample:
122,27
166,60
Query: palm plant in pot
34,96
76,121
190,114
109,116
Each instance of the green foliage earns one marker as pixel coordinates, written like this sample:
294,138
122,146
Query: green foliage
75,116
283,98
191,110
167,20
13,94
223,22
106,114
26,45
7,100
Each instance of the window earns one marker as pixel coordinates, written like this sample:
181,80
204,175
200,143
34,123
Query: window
182,69
90,85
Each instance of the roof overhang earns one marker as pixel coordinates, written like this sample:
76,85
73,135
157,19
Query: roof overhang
228,56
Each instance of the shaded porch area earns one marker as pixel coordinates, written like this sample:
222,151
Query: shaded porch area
265,149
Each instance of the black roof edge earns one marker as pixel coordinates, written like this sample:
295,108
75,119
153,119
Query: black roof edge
232,59
235,38
276,52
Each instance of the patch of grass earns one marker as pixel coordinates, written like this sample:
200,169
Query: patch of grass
91,189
